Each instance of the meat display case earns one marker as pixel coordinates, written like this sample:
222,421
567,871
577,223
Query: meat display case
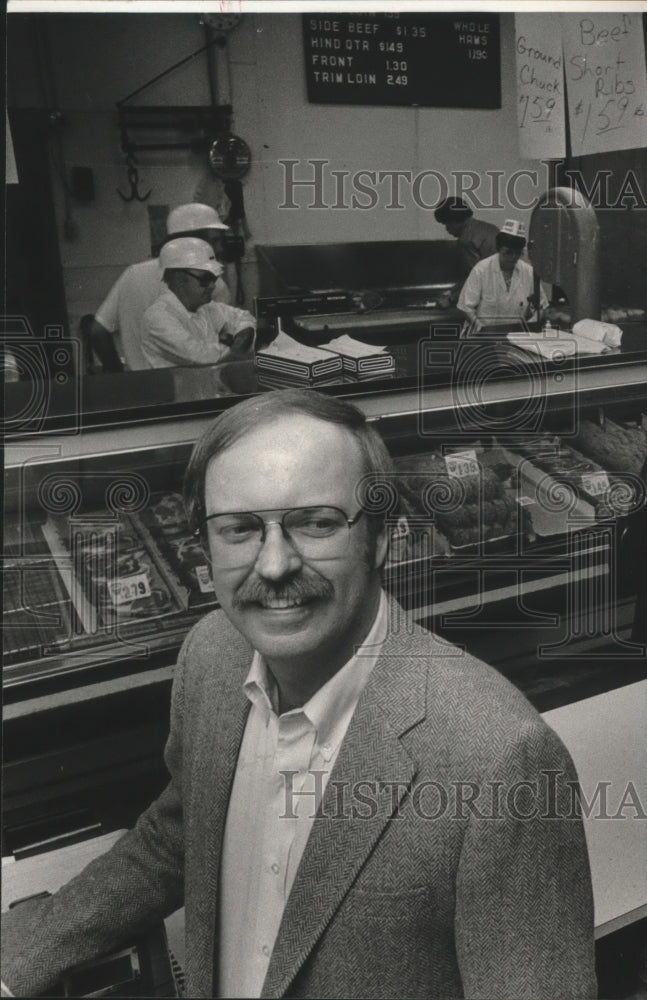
516,481
515,478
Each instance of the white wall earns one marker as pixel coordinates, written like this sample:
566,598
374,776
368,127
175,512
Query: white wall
98,59
271,108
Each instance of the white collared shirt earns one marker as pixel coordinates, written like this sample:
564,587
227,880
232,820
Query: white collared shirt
175,336
122,311
282,771
486,296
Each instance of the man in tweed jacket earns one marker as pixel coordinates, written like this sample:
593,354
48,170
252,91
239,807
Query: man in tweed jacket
445,859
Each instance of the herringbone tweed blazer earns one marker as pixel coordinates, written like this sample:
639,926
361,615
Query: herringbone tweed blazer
418,885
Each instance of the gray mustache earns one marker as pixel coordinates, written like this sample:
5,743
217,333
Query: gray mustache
300,588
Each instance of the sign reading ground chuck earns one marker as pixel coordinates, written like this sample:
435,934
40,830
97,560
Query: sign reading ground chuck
432,60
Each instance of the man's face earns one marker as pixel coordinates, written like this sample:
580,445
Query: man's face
307,612
508,257
194,288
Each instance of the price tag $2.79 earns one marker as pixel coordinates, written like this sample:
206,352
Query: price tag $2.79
126,589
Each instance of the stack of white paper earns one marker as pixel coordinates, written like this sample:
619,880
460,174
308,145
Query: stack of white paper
286,357
363,360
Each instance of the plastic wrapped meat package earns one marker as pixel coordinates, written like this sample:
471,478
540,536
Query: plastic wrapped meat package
166,520
466,495
117,575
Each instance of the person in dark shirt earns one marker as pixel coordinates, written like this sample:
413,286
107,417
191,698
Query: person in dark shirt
476,240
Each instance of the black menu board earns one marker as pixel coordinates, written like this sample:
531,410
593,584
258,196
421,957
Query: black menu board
431,60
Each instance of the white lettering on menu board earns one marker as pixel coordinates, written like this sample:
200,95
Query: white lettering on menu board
606,81
540,87
392,58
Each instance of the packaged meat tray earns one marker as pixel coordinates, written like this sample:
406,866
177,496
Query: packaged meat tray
616,448
414,537
607,494
165,518
38,619
118,577
466,496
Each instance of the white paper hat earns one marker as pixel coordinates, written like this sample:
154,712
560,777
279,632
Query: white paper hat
193,217
512,227
187,251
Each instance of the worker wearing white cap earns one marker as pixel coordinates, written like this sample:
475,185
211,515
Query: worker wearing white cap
475,239
184,326
500,289
122,311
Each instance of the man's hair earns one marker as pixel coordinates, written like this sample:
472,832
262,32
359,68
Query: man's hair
509,241
232,425
452,210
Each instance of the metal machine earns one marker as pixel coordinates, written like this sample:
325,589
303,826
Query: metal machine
564,248
385,292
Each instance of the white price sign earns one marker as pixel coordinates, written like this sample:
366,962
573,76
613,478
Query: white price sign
205,583
525,501
126,589
595,483
462,464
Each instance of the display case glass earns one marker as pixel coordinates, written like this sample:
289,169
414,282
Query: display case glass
515,478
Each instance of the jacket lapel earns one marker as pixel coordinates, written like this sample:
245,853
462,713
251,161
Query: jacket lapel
392,702
223,716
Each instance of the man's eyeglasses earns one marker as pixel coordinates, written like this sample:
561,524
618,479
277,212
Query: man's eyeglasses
204,278
315,532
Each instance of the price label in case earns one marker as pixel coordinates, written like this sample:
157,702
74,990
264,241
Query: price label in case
525,501
205,583
595,483
126,589
462,463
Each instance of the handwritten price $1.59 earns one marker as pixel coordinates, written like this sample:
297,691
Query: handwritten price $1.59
535,109
615,113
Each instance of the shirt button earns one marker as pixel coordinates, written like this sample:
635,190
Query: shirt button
266,949
275,868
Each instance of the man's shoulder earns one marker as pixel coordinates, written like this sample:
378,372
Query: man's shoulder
456,686
165,303
484,265
143,270
525,267
214,636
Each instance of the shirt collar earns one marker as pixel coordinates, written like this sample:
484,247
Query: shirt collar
329,710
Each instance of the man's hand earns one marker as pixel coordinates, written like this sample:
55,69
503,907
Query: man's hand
243,341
